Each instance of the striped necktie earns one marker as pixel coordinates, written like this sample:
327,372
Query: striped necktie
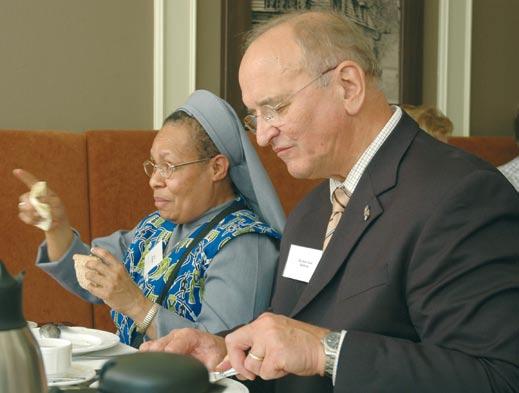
339,201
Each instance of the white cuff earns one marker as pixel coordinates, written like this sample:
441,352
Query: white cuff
343,334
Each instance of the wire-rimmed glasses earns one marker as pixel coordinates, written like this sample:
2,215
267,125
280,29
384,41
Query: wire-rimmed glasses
166,169
271,114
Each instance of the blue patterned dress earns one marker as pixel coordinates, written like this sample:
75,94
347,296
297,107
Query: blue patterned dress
184,296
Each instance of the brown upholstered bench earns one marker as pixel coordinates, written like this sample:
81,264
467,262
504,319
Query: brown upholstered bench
99,176
495,149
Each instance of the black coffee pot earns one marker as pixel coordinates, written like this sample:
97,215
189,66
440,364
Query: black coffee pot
157,372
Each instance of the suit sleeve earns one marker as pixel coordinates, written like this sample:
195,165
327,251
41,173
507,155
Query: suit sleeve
463,298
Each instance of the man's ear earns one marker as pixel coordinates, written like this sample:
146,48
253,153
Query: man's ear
353,86
219,167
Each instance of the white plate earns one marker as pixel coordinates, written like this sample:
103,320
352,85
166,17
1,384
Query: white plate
77,373
232,386
85,340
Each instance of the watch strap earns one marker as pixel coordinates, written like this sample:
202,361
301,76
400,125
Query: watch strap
331,344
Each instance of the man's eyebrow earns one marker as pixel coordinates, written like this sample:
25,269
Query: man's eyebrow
271,101
268,101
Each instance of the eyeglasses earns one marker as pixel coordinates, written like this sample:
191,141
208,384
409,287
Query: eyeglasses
167,169
271,114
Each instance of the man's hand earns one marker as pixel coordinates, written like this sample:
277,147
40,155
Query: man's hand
274,345
206,347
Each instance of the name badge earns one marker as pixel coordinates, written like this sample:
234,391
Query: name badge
301,263
153,258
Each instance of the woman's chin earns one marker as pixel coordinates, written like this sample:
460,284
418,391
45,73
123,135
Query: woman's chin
161,205
167,215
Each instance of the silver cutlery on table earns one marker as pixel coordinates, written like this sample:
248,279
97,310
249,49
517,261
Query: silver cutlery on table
215,376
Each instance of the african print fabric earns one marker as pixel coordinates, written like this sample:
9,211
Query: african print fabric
184,296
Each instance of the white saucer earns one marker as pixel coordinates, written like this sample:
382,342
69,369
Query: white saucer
77,373
232,386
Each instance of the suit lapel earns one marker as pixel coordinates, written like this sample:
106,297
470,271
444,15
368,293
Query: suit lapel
348,232
288,291
362,211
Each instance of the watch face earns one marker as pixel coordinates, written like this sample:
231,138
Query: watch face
332,340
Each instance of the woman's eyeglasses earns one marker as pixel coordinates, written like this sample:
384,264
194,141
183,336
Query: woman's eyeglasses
166,170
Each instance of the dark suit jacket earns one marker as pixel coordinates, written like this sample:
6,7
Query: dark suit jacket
427,286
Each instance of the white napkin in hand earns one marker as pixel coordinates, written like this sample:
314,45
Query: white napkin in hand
39,189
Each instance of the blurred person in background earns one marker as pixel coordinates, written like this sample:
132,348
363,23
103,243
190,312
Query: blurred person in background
431,120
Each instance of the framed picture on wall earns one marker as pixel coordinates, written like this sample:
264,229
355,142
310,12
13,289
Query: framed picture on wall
394,26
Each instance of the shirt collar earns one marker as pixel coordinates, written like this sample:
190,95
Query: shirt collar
353,177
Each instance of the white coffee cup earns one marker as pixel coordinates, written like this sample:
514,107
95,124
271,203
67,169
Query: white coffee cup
57,355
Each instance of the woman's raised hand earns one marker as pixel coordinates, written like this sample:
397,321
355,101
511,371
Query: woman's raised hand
59,234
27,212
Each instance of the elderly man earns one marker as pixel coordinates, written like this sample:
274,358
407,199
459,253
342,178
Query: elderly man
400,272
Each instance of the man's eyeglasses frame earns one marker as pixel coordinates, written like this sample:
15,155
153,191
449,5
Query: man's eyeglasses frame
271,113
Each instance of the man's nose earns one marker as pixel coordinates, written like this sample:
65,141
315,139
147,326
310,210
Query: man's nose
265,132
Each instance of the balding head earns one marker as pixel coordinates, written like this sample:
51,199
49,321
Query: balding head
325,38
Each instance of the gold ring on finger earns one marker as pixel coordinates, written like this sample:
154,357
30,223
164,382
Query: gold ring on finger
255,357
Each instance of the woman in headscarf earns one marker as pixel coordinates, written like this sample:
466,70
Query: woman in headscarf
206,258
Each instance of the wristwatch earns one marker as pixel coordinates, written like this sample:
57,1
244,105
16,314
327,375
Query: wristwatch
331,350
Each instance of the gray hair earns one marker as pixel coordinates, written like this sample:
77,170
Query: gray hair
326,38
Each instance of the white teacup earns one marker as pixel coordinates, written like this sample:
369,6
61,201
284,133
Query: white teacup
57,355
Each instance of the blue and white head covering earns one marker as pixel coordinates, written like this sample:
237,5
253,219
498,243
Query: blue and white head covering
247,173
